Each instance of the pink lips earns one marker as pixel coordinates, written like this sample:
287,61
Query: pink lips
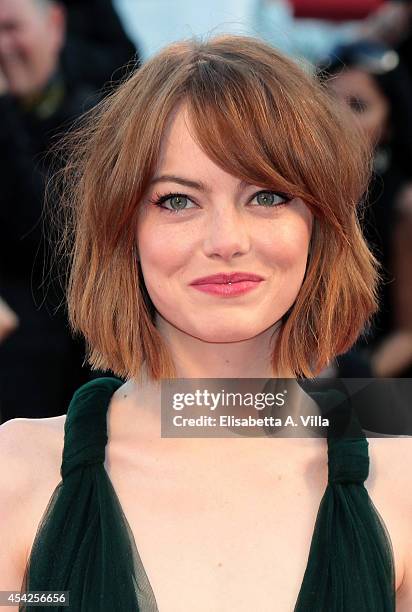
228,285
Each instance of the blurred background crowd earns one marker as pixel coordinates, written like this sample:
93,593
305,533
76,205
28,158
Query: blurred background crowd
59,58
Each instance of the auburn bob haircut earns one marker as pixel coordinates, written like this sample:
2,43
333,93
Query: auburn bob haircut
261,118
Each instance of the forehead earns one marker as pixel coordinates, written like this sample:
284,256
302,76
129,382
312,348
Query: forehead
354,80
178,129
18,10
181,156
179,148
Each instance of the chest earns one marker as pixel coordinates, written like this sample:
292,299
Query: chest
221,539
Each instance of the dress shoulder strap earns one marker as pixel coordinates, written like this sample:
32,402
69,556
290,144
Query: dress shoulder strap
85,431
84,544
350,563
348,447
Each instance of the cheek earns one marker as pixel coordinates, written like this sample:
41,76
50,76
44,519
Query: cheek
282,245
29,44
164,253
290,248
379,121
289,241
164,248
24,48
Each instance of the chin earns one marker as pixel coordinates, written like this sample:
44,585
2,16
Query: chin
223,334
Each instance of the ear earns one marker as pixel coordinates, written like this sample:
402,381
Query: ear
57,22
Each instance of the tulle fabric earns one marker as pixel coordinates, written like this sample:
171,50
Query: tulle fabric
350,565
84,543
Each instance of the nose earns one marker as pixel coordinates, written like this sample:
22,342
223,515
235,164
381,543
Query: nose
227,234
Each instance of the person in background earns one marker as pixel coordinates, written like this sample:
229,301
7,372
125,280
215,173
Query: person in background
40,364
373,82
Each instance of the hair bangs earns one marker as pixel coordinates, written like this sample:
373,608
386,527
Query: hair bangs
239,127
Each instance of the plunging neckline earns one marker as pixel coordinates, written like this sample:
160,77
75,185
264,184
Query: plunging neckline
84,528
142,569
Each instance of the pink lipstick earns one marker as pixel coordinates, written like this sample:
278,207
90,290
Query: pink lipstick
228,284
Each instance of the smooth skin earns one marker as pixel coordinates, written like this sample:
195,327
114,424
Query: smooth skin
223,523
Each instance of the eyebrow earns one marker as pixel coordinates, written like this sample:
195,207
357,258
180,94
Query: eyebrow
166,178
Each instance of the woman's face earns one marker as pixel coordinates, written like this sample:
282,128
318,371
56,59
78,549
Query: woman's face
221,226
368,105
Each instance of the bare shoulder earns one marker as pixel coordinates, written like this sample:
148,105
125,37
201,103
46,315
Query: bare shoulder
390,487
30,460
390,465
24,441
31,444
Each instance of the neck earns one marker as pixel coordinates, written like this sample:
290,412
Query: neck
146,398
245,359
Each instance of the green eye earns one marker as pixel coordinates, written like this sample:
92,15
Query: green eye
269,198
178,202
266,198
172,202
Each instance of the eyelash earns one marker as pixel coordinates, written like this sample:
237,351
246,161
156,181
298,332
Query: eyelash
158,200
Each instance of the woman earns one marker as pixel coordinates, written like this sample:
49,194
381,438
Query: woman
214,158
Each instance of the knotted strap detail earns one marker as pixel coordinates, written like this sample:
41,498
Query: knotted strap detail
84,544
348,460
350,565
86,427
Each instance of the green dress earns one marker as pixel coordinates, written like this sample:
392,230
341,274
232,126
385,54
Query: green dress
84,544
